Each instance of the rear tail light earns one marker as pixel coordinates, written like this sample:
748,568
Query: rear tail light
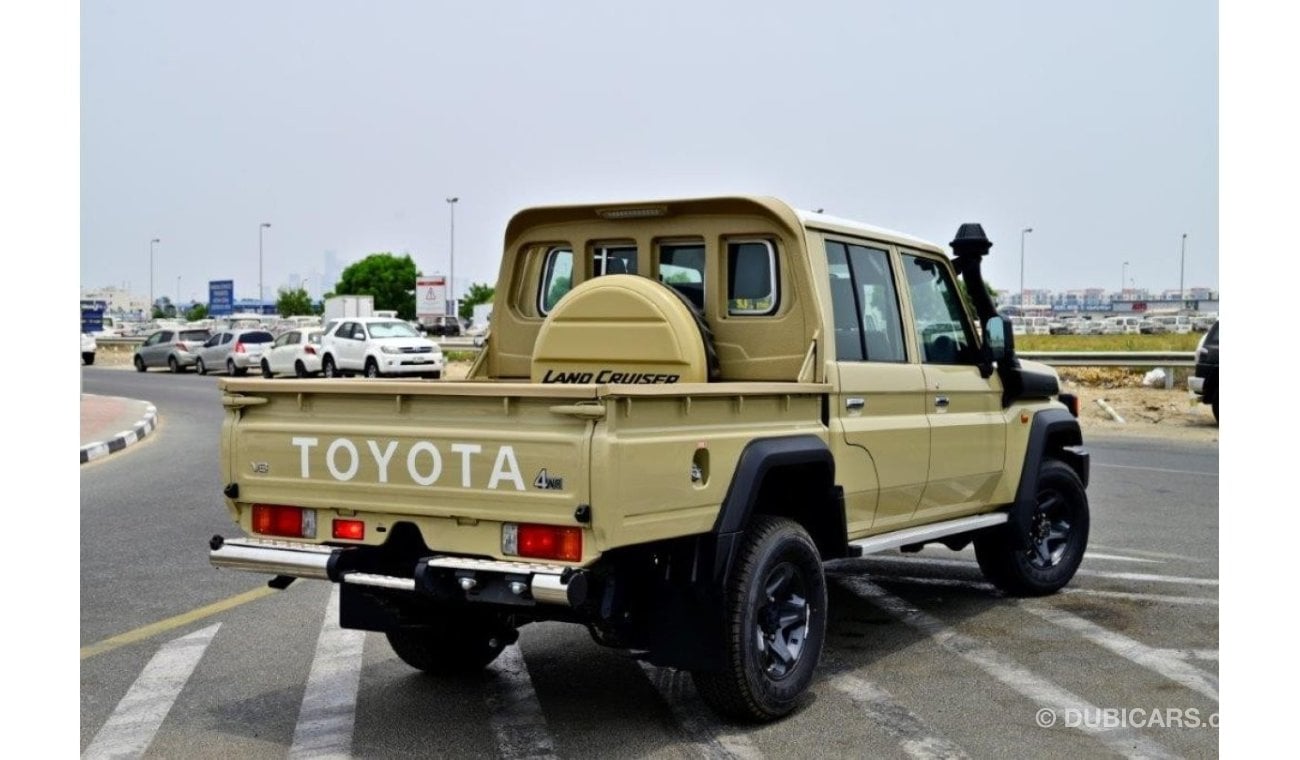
1071,402
351,530
279,520
309,350
542,542
239,348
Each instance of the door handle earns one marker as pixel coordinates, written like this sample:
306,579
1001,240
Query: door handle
941,401
854,403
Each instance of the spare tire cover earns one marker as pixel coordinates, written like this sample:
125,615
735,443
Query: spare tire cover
620,328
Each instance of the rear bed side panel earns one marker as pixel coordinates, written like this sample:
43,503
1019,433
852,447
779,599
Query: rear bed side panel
642,488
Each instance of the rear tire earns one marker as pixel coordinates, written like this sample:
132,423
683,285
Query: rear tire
1214,407
299,370
88,358
1059,536
776,624
139,364
173,366
453,646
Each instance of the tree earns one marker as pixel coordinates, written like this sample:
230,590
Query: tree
965,294
163,308
197,311
293,302
478,293
389,279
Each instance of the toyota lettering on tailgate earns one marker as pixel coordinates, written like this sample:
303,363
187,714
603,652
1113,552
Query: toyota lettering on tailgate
423,460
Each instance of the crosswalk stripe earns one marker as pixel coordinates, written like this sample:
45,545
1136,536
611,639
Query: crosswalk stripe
1150,658
916,739
712,740
1042,693
329,704
517,718
130,729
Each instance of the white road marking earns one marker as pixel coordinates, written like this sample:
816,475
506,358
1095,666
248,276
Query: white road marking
1121,558
517,719
1145,577
989,587
329,704
1152,659
916,739
130,729
1191,654
1146,553
1040,692
711,739
1157,469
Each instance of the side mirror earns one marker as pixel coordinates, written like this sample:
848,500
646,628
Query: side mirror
997,339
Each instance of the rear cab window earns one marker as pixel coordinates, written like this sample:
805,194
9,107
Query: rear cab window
681,267
751,278
557,278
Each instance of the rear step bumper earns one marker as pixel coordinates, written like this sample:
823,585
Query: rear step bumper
443,577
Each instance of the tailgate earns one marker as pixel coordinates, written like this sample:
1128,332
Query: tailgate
455,454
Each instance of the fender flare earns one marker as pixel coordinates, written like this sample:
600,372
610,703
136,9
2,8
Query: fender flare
758,459
1055,432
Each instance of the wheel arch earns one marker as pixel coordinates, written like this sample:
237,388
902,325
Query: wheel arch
1053,434
792,477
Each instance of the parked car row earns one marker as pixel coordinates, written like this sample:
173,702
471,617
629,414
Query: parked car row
370,346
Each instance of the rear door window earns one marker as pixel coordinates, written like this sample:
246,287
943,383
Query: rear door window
751,277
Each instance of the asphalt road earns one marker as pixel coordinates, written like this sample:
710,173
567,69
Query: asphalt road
923,658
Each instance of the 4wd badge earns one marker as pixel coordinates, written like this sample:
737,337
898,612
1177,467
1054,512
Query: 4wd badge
548,483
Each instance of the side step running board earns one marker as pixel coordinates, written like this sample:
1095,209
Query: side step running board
924,533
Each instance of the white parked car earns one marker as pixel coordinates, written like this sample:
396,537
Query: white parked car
296,352
88,348
376,347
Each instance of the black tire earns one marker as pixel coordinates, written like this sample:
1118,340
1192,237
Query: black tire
200,367
139,364
1214,407
329,368
173,366
372,368
234,371
299,370
88,357
777,595
1059,529
459,645
266,370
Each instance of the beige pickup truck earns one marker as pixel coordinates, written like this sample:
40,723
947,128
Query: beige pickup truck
683,408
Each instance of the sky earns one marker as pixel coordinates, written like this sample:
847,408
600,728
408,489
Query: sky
347,125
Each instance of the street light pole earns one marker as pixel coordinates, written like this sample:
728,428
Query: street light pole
263,226
152,243
1182,259
1022,263
451,281
178,294
1123,278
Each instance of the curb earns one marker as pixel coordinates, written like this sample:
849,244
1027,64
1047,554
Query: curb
98,450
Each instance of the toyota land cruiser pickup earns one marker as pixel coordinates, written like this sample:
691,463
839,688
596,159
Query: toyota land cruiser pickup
682,410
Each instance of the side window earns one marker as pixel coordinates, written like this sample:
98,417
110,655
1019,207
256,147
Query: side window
941,324
613,259
681,267
868,321
751,277
557,278
359,331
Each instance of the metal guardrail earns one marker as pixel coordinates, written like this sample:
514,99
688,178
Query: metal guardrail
1112,358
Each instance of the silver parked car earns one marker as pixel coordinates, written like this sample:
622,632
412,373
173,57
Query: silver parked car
175,349
233,351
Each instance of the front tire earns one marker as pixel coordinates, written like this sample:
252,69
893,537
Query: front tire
1058,538
453,646
88,358
139,364
266,370
372,368
329,368
775,627
200,367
